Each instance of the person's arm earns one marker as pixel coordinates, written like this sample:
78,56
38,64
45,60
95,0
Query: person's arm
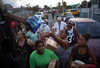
51,23
16,18
31,44
92,55
55,26
54,56
63,43
57,64
72,54
32,62
76,32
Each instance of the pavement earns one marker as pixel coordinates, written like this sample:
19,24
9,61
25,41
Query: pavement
53,20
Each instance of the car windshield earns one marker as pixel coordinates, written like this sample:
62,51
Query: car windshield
73,10
92,28
38,13
69,14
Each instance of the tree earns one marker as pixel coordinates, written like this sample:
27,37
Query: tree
59,7
46,7
59,4
64,4
35,8
28,7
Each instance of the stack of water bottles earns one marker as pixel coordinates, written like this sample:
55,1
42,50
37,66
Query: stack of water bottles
34,23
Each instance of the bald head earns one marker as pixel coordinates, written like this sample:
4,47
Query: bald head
53,29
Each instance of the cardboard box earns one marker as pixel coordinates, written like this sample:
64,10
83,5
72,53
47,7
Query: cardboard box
52,45
73,64
52,63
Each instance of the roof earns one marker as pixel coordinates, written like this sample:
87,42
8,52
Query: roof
82,20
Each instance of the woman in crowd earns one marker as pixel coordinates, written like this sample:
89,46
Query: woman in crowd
83,52
32,36
41,57
62,50
43,38
25,48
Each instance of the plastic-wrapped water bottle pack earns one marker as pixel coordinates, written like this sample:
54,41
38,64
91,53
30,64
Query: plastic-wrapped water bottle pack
34,23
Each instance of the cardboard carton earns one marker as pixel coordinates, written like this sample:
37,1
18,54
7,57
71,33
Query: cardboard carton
52,63
52,45
73,64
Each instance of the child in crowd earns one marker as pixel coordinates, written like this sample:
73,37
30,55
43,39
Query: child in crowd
83,52
53,30
43,38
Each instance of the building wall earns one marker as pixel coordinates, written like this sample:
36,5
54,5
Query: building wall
95,4
99,4
9,8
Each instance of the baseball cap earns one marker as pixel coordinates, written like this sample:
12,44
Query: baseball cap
70,21
46,20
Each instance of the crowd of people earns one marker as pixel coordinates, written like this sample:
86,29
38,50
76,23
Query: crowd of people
31,47
32,52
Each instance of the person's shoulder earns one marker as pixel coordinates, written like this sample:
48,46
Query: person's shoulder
65,40
46,27
63,22
48,51
33,53
56,22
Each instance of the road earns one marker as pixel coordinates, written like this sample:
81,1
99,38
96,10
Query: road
53,20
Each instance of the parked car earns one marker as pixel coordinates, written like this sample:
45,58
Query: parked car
73,11
85,25
68,16
39,14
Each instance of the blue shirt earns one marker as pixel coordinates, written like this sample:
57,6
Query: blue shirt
32,36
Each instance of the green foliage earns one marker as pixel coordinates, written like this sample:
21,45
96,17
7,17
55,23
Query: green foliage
46,7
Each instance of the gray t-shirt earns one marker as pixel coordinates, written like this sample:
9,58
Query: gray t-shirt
62,54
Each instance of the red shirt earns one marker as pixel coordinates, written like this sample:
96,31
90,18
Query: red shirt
14,24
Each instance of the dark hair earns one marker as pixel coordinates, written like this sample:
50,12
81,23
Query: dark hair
66,31
23,34
46,16
86,36
37,42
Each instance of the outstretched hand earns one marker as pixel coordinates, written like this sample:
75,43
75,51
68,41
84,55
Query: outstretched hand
23,20
49,34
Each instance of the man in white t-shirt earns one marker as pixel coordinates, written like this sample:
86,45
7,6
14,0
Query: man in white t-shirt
59,25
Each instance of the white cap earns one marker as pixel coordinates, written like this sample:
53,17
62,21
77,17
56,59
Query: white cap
70,21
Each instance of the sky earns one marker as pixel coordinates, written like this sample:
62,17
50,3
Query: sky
41,3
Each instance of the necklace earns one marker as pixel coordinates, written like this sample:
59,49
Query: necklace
41,58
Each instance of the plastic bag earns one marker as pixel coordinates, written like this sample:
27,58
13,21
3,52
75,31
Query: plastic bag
34,23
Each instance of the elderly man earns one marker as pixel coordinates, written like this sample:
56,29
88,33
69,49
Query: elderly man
59,25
